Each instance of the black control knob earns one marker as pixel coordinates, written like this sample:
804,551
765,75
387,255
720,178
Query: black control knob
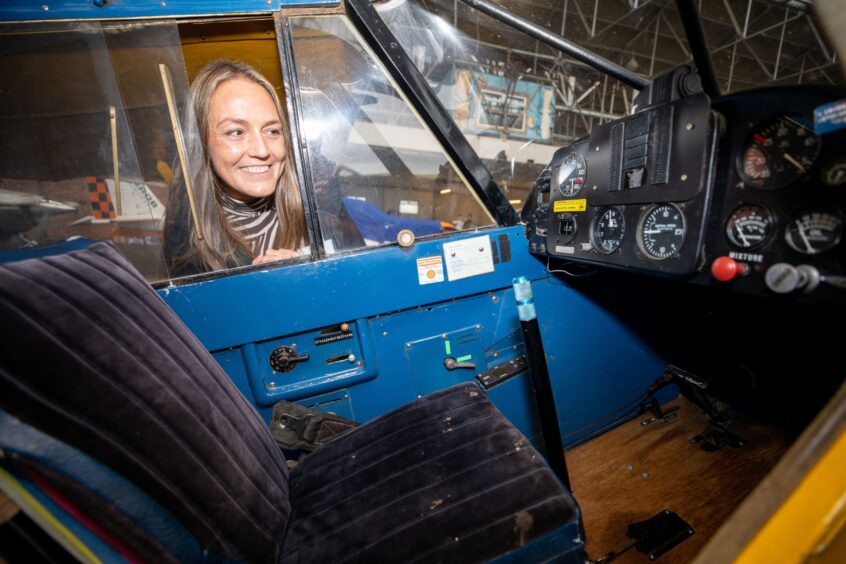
285,359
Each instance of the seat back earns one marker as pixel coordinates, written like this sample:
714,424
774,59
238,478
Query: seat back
93,357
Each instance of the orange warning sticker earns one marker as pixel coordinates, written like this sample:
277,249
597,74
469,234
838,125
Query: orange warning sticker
430,270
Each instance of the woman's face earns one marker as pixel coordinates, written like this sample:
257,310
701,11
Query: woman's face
246,142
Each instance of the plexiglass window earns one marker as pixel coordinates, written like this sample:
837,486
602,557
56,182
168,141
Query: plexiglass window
376,169
86,145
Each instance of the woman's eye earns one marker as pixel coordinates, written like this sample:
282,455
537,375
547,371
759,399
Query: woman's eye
273,132
235,133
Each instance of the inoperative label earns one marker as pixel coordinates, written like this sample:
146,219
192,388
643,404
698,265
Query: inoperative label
569,206
430,270
333,338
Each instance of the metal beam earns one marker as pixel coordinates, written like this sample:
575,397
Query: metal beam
578,52
698,47
781,43
757,33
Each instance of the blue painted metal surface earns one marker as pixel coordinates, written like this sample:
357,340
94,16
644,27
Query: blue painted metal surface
285,300
243,317
27,10
72,244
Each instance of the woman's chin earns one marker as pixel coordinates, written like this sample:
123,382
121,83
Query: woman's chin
251,191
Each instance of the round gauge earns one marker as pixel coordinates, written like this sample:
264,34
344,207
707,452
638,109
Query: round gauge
661,232
779,152
571,175
607,230
567,228
755,166
834,174
749,227
814,231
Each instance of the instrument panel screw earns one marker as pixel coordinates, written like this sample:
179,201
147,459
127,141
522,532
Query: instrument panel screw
644,475
689,126
478,327
496,355
684,178
596,149
443,336
629,467
45,7
408,345
384,333
494,298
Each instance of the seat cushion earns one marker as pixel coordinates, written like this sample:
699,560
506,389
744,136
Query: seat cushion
444,479
93,357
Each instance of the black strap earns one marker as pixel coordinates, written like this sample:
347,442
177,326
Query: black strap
296,427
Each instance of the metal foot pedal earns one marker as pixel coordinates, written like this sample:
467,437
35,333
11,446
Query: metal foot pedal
654,537
658,415
660,534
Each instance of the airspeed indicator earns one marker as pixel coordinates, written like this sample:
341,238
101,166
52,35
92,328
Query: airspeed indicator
571,175
661,232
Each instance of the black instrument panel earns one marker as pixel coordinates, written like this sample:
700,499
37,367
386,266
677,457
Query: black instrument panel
740,193
635,194
780,202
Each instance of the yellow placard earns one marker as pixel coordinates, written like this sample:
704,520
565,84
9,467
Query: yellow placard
569,206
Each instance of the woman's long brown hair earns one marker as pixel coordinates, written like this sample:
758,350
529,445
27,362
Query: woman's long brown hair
221,244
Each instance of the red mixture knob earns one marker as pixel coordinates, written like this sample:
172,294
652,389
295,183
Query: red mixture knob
726,268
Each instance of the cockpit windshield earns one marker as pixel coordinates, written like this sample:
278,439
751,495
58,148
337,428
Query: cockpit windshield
517,99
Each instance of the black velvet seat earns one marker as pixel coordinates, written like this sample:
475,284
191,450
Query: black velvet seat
92,357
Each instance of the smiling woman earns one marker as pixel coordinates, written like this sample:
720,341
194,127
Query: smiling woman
247,200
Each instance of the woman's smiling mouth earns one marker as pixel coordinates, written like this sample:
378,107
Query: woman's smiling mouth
256,169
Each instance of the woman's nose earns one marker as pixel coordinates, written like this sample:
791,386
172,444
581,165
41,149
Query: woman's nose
258,146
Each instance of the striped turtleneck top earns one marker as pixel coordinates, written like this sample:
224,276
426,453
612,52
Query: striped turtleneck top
256,221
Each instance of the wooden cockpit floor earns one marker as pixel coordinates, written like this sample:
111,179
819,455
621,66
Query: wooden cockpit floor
632,472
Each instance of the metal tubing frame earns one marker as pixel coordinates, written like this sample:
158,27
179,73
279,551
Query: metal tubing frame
414,86
576,51
689,16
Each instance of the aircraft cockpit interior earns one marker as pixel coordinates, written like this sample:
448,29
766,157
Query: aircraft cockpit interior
422,280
